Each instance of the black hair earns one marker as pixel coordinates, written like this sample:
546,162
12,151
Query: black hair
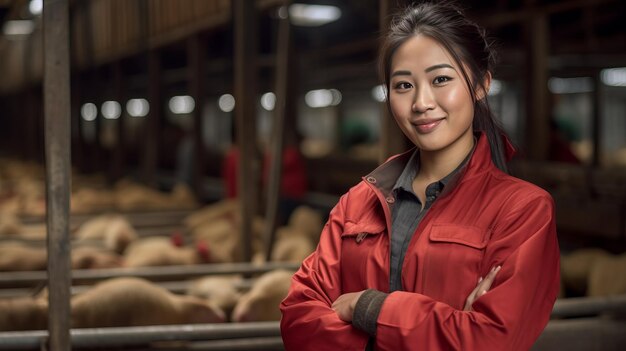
468,45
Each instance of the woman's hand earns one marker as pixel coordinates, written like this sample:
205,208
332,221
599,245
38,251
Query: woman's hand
344,305
481,288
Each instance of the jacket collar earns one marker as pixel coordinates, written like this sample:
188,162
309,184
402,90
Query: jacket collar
384,177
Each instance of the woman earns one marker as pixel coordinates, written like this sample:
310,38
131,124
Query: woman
438,248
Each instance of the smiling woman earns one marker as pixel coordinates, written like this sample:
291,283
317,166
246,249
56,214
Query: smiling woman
438,248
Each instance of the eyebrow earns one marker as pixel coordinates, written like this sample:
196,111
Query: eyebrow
401,73
429,69
439,66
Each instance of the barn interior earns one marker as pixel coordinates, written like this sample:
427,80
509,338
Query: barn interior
131,128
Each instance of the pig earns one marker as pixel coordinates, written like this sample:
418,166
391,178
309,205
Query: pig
138,302
15,256
292,246
576,266
10,224
24,313
221,291
87,200
307,220
160,251
222,209
608,276
115,232
94,258
261,303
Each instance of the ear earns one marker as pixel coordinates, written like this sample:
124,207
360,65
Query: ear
484,90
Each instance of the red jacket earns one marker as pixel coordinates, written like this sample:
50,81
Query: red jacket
483,218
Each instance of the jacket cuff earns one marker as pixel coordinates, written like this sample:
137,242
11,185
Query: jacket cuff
367,309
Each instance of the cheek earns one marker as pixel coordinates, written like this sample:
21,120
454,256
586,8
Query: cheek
458,102
398,108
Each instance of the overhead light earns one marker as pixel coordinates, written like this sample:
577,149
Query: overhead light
570,85
615,77
495,88
111,110
268,101
18,27
379,93
137,107
35,7
322,98
226,103
182,104
89,112
313,15
336,94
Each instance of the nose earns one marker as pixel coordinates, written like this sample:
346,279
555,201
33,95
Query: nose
424,100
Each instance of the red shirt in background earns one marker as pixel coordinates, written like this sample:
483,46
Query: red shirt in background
293,183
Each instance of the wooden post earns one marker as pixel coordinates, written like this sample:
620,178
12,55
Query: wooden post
596,122
282,69
244,20
57,132
153,119
537,106
119,156
392,140
196,56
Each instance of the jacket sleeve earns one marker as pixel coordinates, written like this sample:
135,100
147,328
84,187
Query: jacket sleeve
510,316
308,321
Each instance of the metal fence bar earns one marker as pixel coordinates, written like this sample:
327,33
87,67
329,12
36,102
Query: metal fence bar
30,278
176,287
588,306
129,336
136,218
274,343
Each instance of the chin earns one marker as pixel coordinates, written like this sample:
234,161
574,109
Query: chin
430,143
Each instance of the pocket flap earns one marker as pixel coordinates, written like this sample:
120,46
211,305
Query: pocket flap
351,228
465,235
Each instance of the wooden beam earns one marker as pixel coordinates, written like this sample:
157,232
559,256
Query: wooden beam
119,152
196,54
596,120
244,20
537,106
57,132
282,69
500,19
153,119
392,140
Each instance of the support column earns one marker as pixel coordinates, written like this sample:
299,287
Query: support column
284,64
153,119
57,140
245,55
537,103
392,140
196,54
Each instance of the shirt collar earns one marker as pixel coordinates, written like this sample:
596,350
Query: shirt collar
405,181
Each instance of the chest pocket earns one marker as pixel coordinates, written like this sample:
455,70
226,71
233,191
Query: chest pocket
364,253
453,261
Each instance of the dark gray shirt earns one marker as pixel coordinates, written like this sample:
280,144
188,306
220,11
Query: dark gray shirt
406,214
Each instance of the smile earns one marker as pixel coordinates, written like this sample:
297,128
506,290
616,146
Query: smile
427,126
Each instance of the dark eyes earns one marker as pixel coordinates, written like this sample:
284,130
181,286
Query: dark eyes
403,86
441,79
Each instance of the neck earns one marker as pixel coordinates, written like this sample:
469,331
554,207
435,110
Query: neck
435,165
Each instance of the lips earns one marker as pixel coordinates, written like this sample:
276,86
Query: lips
427,125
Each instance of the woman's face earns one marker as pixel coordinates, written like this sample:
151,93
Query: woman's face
429,97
